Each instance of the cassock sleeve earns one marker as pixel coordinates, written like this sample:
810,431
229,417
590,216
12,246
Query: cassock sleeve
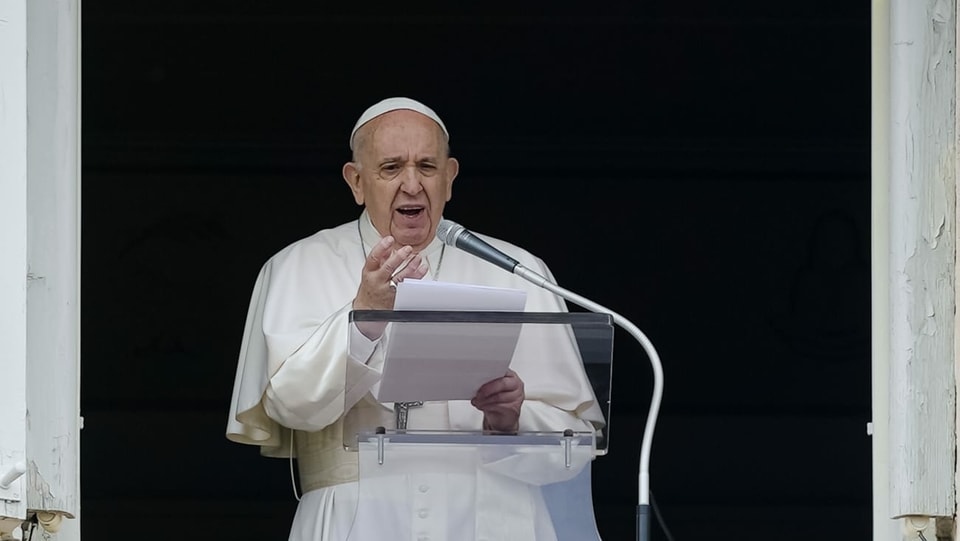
294,371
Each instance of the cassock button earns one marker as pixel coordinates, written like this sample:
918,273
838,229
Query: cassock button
423,488
423,513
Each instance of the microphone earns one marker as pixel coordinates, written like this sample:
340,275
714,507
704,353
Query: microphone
454,234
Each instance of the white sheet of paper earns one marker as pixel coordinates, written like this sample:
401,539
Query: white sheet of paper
447,361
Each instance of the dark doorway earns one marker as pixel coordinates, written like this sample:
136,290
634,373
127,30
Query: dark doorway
701,168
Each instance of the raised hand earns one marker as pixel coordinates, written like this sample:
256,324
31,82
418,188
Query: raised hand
380,276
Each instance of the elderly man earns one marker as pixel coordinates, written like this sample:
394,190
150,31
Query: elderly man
296,381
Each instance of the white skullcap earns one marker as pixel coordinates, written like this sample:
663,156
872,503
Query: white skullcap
394,104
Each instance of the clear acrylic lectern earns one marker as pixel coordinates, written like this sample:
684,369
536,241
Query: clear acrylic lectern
442,476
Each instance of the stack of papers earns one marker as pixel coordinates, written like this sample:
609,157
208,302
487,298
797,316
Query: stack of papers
447,361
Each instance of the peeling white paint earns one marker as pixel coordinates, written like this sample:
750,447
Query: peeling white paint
13,238
41,495
39,273
922,261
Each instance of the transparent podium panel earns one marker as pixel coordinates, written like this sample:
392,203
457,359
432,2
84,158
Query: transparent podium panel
474,486
422,368
429,470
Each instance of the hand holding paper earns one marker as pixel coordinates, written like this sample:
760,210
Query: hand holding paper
500,401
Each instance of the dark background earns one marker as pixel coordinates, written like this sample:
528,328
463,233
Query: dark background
700,167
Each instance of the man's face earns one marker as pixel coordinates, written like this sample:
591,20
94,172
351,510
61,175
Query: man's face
402,175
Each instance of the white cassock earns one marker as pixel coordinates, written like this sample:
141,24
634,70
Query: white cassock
295,380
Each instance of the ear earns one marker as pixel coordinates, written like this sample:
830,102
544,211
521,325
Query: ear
351,174
453,167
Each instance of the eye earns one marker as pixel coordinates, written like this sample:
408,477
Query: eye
427,168
389,169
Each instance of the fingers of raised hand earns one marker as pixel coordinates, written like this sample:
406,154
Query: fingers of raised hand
377,255
415,267
397,261
383,269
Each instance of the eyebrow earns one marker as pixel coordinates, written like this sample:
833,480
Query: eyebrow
389,159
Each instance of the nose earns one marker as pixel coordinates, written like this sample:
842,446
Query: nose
410,181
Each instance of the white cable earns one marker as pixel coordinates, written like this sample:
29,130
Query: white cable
643,484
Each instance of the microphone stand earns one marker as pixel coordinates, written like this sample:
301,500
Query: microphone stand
643,505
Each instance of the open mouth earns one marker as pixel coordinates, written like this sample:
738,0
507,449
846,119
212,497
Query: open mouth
410,211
